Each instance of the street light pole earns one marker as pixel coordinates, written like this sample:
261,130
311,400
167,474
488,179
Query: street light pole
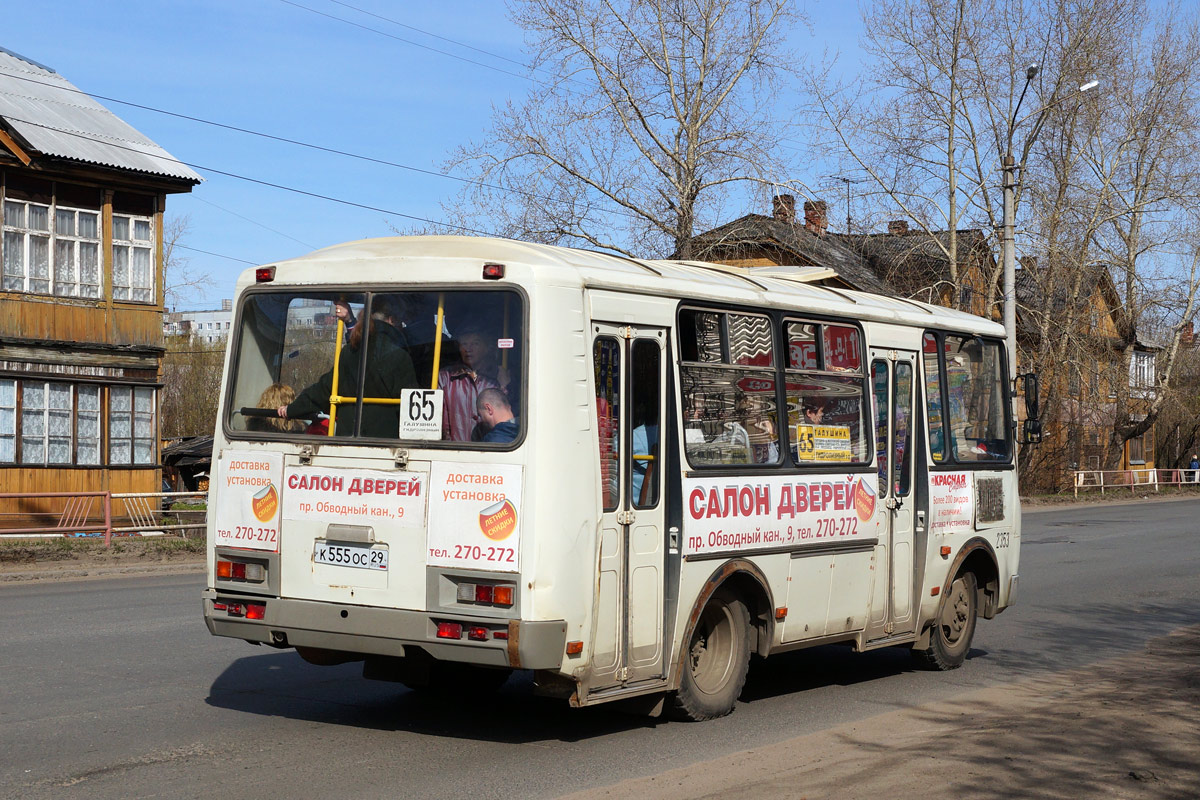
1008,231
1008,246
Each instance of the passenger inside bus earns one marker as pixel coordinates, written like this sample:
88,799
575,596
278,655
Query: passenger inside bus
814,410
495,412
477,369
389,371
645,443
274,396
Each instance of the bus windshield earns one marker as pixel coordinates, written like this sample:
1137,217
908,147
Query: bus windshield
340,362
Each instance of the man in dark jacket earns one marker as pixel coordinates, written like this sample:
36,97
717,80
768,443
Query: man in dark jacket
496,412
389,370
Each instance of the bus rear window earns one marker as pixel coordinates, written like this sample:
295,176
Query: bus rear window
371,365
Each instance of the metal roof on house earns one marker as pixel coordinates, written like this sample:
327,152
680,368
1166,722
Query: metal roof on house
54,118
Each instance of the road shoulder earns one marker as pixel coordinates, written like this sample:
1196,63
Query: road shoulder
1128,727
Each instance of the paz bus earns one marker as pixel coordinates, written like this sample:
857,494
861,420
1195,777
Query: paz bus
701,463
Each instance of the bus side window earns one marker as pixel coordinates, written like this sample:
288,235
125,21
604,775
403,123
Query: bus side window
933,399
606,353
644,469
879,389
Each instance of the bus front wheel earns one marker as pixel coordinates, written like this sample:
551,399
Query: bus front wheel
950,637
716,661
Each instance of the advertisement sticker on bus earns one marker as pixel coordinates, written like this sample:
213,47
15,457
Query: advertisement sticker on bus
248,514
951,502
355,496
822,442
745,515
475,516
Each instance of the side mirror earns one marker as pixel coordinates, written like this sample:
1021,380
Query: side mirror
1032,411
1032,432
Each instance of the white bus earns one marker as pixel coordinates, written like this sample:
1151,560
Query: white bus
626,476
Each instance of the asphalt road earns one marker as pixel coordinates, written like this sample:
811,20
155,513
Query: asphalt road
114,688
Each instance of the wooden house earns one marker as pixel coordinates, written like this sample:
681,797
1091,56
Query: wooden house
81,289
1087,392
1091,388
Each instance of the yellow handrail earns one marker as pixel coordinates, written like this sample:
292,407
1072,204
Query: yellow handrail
437,341
334,397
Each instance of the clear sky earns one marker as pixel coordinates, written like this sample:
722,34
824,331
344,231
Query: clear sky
276,67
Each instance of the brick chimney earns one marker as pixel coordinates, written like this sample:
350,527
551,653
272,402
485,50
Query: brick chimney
816,217
783,207
1187,338
898,227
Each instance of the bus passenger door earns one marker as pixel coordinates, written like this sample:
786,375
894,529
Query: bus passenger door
892,388
629,366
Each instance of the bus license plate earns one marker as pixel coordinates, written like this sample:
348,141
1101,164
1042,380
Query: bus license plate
340,555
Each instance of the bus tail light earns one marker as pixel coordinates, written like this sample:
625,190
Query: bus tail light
264,274
241,571
488,594
449,630
574,648
502,596
256,611
493,272
478,633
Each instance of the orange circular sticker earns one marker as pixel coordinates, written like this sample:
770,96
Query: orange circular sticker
265,503
498,521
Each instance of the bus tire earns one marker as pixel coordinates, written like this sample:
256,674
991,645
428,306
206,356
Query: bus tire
950,636
717,660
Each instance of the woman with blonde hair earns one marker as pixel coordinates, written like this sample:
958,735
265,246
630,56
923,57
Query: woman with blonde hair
274,396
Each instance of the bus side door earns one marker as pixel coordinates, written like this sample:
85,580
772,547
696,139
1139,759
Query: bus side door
892,388
629,366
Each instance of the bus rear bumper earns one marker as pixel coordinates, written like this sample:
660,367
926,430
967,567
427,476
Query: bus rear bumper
519,644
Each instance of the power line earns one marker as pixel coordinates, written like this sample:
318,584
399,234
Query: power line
309,145
251,221
218,255
257,181
430,33
411,42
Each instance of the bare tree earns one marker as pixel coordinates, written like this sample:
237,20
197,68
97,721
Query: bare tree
655,111
191,377
928,121
180,280
1107,186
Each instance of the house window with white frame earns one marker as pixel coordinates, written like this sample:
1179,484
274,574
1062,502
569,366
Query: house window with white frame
87,425
1141,370
8,421
26,247
46,429
131,425
76,252
133,258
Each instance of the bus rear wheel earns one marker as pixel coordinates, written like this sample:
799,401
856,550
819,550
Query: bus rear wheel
950,637
716,662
